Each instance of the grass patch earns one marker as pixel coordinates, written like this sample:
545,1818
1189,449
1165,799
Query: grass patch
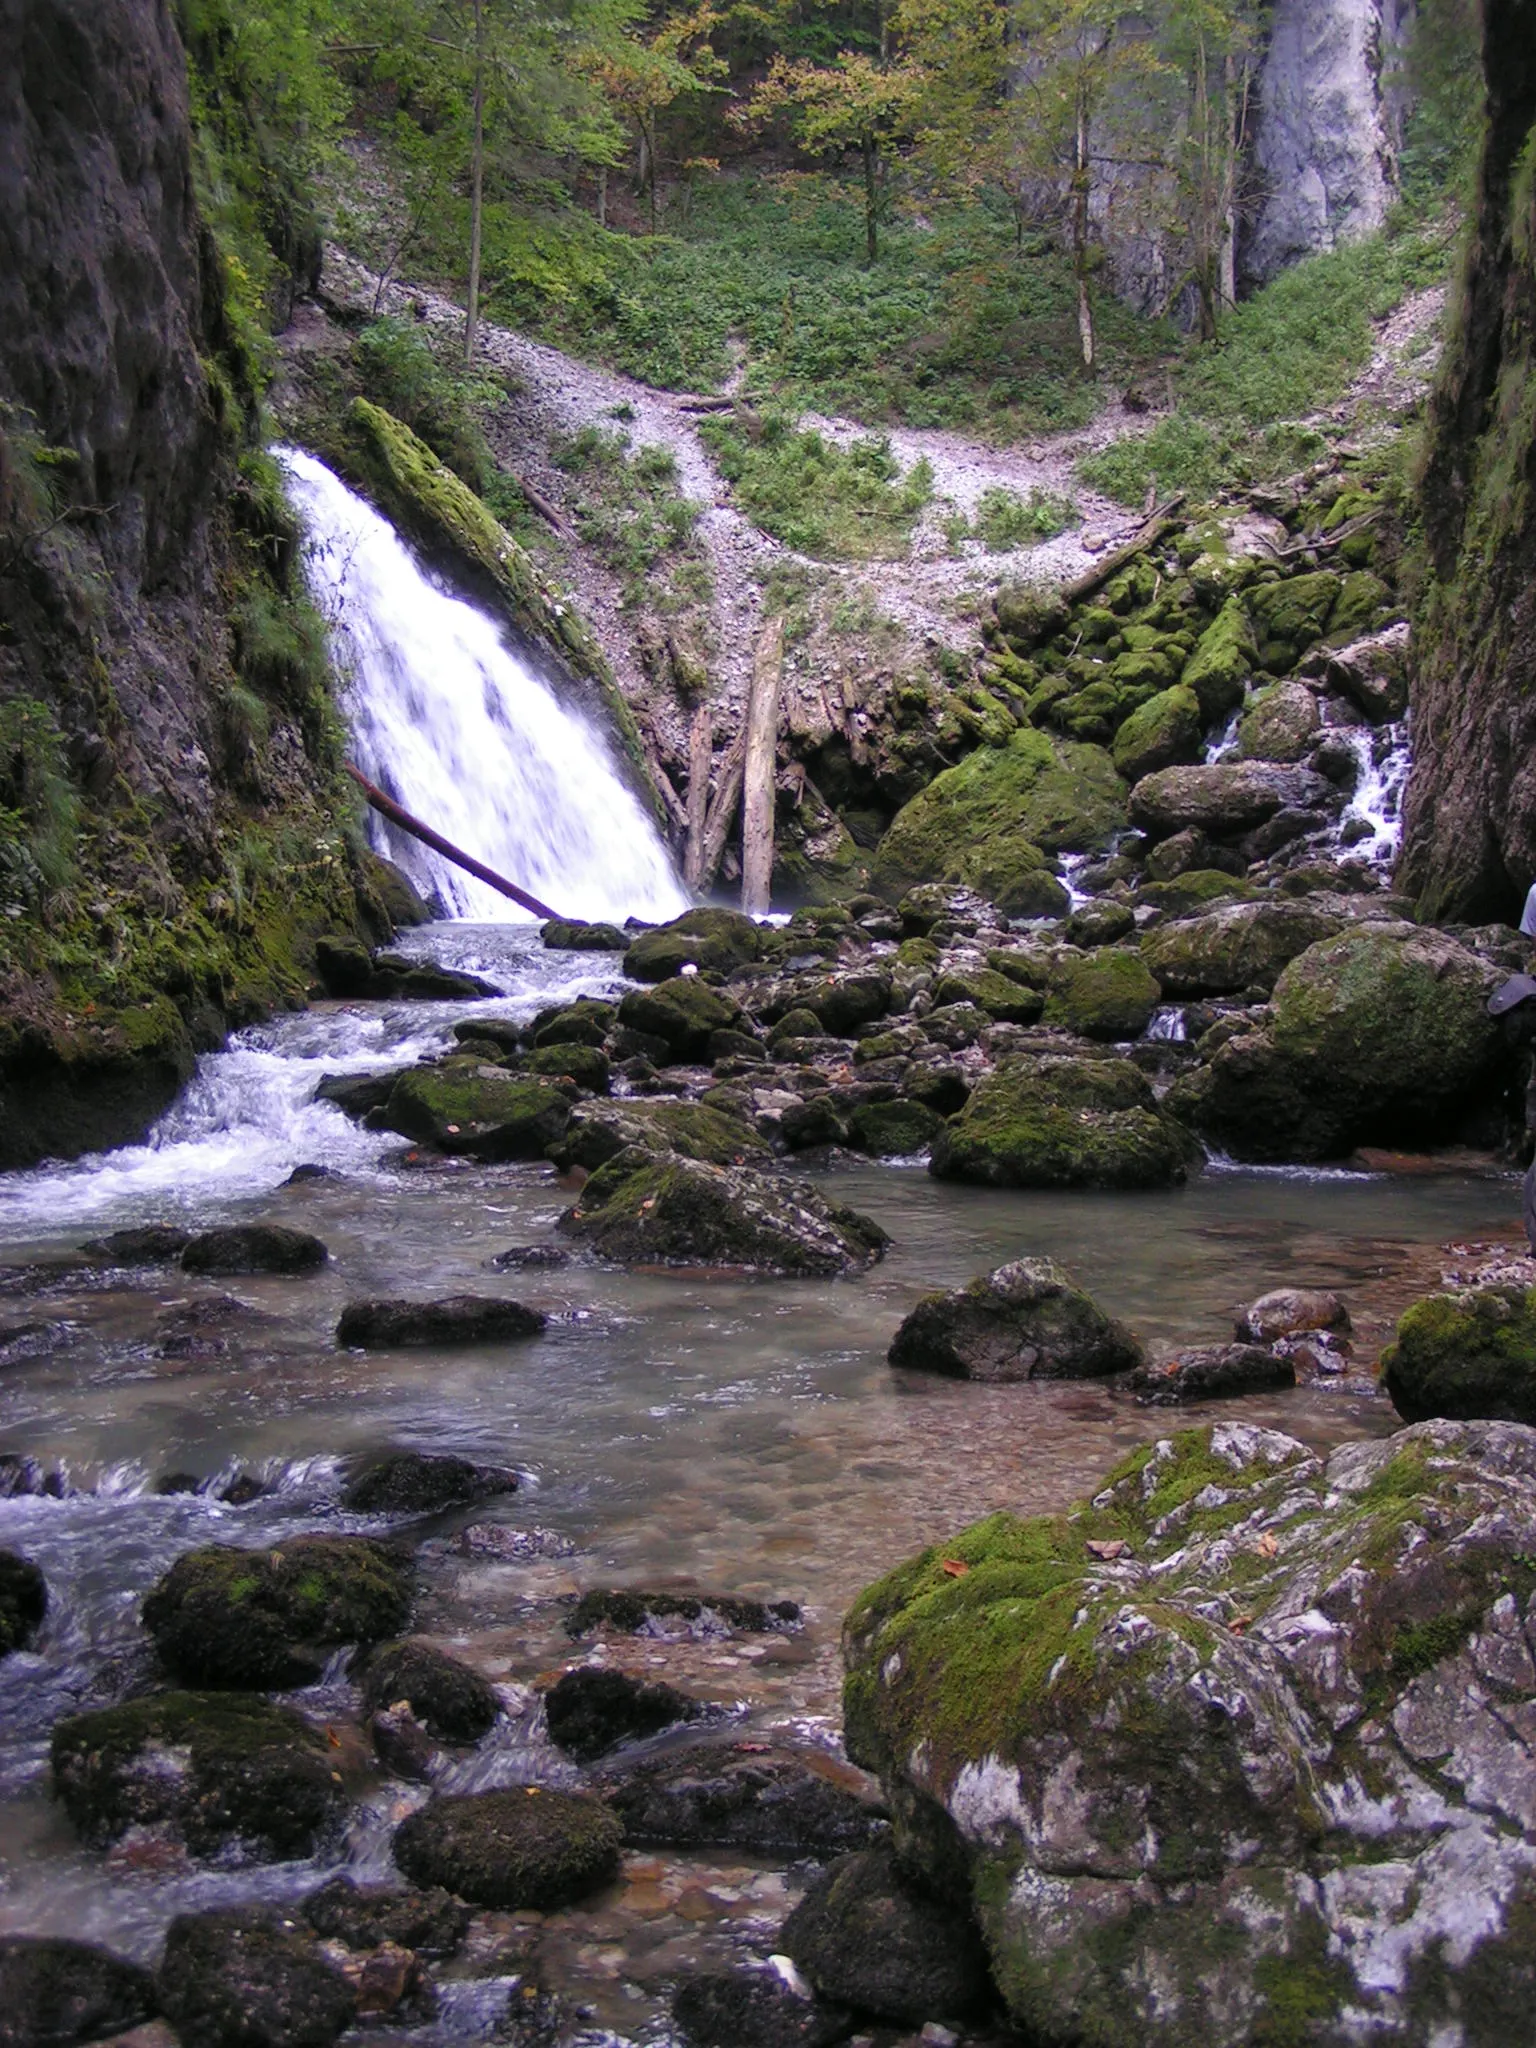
1004,520
837,503
629,510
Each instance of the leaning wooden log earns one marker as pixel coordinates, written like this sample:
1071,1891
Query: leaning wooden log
701,744
759,770
1152,530
397,815
722,808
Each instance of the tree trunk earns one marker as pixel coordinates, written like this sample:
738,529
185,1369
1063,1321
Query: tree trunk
398,815
871,203
1080,240
602,196
760,770
722,808
701,741
476,187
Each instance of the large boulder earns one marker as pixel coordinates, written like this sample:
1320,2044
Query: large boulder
1281,724
598,1131
1028,1320
251,1977
1164,733
1237,1752
455,1319
56,1993
977,822
223,1616
591,1710
1469,1353
1210,1372
528,1847
682,1013
643,1210
23,1602
254,1248
1236,946
1377,1035
448,1697
216,1770
1109,993
714,939
422,1483
1223,798
747,2008
726,1794
1060,1123
482,1111
1225,656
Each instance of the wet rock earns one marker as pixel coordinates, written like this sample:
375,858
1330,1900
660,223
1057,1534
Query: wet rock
591,1711
151,1244
513,1546
598,1132
348,971
1108,994
450,1699
1468,1353
403,1746
681,1013
430,1923
507,1034
223,1616
1101,924
205,1328
1061,1122
640,1210
1161,1693
422,1483
1281,724
356,1094
529,1258
1289,1310
254,1248
754,2009
215,1769
56,1993
635,1611
21,1477
715,940
251,1977
995,994
1374,672
23,1602
867,1936
1207,1372
478,1111
177,1482
1236,946
308,1171
243,1489
1028,1320
456,1319
1225,656
584,1022
892,1130
1165,732
745,1795
564,936
1224,798
529,1847
582,1066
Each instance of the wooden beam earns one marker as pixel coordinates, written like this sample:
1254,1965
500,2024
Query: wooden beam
759,769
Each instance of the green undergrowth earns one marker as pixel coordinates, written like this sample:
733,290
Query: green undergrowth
1003,520
629,510
821,498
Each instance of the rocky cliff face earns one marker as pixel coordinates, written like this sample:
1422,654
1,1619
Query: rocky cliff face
168,821
1470,847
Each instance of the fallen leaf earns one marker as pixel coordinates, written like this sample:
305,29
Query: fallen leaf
954,1567
1108,1546
332,1737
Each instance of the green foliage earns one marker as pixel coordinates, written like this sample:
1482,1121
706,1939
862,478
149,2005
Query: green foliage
39,811
1179,454
1441,78
848,502
630,510
1004,520
401,371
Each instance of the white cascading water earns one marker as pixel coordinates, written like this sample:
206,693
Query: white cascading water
447,720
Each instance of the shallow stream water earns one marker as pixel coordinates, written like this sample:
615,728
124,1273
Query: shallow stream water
714,1432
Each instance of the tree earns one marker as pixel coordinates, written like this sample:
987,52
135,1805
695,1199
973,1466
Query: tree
642,76
856,102
1213,44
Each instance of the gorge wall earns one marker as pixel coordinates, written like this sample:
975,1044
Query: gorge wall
1470,844
171,824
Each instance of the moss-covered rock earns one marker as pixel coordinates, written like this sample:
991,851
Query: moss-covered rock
1281,724
265,1618
23,1602
56,1993
584,1066
1260,1694
528,1847
584,1022
252,1977
1469,1354
1010,1001
1164,733
563,935
1225,656
709,938
591,1710
376,1325
1293,612
1057,1123
1364,603
641,1210
460,1106
1235,946
1223,798
1194,889
597,1132
422,1483
215,1769
254,1248
447,1696
1028,1320
1108,993
1052,796
892,1130
681,1013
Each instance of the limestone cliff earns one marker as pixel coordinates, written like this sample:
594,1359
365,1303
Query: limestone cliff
1470,847
170,825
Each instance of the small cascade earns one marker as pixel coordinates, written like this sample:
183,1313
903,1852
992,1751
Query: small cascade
1385,757
447,720
1223,743
1167,1026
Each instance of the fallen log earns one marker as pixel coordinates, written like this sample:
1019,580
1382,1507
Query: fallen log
759,768
1159,523
549,512
397,815
701,747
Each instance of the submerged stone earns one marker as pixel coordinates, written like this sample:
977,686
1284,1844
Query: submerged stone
1028,1320
254,1248
457,1319
591,1710
430,1923
720,1793
1206,1372
529,1847
23,1602
754,2009
150,1244
633,1609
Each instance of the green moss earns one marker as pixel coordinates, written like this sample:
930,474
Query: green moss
1466,1355
1163,733
464,1107
1225,656
1062,1123
1107,994
1301,1991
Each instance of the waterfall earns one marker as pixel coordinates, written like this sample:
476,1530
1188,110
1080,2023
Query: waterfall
447,720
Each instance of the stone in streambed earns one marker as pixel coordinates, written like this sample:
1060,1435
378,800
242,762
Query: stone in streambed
430,1923
892,1130
591,1710
150,1244
251,1977
754,2009
1224,798
584,1022
1107,994
356,1095
631,1610
449,1698
456,1319
1290,1311
1061,1122
723,1793
713,939
482,1112
526,1848
217,1769
56,1993
527,1258
867,1936
563,935
599,1131
582,1065
641,1210
1026,1321
1238,946
254,1248
1468,1353
682,1013
1208,1372
223,1616
422,1483
23,1602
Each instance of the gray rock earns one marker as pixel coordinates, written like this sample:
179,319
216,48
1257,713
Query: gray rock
450,1698
754,2009
1207,1372
251,1977
725,1793
1287,1311
422,1483
1223,798
1028,1320
529,1847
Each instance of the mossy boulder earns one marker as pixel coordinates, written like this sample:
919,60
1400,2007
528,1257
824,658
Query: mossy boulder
1225,656
711,939
1281,724
23,1602
1235,946
714,1792
1028,612
1028,1320
252,1977
1364,602
681,1013
1164,733
598,1132
1011,1002
447,1696
1290,614
1192,890
1272,1694
592,1710
422,1483
56,1993
563,935
892,1130
217,1770
584,1022
222,1616
481,1111
1469,1353
254,1248
1059,1123
584,1066
1053,796
531,1847
1223,798
641,1210
1108,993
